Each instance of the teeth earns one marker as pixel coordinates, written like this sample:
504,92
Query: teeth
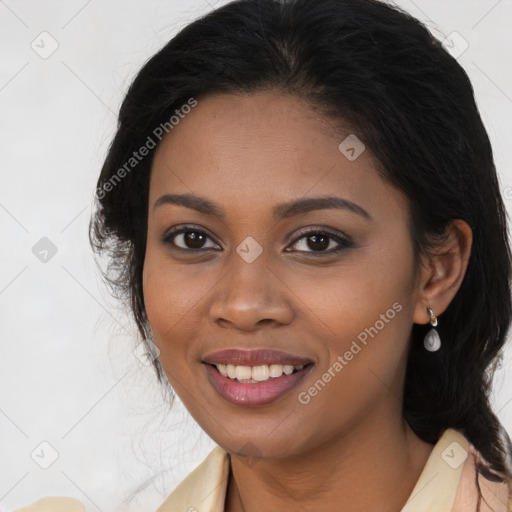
288,369
243,373
276,370
260,373
231,371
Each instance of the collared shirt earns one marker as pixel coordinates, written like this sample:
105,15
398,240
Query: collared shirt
446,484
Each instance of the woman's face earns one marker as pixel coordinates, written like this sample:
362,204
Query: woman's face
266,287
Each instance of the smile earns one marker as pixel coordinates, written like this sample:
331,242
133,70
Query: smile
256,377
254,374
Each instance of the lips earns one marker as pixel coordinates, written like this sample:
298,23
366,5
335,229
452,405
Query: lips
254,377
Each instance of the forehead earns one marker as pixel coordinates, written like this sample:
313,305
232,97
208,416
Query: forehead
265,147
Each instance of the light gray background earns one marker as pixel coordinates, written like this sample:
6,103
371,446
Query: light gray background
68,373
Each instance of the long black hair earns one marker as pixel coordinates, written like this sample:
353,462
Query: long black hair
370,65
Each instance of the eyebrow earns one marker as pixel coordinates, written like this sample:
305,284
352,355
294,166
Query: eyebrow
281,211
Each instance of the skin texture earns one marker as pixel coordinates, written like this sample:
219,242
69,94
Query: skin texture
248,153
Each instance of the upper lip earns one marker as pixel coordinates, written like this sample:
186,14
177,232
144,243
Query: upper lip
254,357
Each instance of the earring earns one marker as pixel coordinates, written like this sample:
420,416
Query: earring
432,341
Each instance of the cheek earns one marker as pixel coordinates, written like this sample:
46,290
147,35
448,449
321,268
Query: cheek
353,296
363,312
363,322
164,306
173,298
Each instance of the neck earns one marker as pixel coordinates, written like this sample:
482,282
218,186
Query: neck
377,463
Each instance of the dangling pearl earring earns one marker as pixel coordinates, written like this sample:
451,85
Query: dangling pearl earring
432,341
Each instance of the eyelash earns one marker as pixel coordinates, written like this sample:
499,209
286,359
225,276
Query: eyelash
344,242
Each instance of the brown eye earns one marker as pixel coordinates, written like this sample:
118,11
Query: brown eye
188,239
316,241
193,239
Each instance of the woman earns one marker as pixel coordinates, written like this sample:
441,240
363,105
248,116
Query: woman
302,208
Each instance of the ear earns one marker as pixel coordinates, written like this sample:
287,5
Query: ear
443,270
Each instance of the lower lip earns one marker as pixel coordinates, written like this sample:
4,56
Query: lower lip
261,393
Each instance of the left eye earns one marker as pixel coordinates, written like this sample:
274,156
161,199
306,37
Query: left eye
319,241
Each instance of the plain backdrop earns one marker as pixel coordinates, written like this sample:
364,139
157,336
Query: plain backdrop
74,397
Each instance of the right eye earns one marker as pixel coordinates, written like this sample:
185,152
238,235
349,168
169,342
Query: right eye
188,238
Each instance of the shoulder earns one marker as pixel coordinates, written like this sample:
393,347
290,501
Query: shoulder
496,496
203,489
54,504
450,481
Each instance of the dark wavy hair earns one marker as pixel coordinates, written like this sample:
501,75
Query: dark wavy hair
375,67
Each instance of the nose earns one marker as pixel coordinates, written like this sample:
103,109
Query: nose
250,295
